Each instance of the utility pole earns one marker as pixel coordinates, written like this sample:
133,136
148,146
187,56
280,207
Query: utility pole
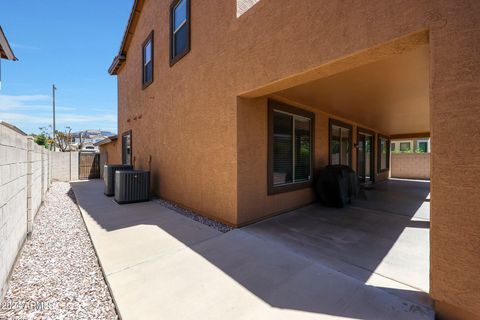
53,93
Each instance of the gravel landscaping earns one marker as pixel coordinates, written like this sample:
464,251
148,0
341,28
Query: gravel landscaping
194,216
57,275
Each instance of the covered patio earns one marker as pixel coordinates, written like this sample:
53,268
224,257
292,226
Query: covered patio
382,241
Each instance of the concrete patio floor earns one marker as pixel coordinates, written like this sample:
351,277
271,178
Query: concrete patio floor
382,241
162,265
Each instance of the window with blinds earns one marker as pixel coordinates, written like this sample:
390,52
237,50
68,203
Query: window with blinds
340,143
291,149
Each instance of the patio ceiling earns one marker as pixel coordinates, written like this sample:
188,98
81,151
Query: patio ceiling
390,95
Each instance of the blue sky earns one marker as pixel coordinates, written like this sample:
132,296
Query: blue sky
67,42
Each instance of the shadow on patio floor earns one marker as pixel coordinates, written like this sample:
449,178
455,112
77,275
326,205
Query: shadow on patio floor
159,263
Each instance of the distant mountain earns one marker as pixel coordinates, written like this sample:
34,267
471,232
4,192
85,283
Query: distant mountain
92,133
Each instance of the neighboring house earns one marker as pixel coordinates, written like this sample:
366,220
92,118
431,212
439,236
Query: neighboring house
89,146
108,152
5,52
235,106
90,136
87,140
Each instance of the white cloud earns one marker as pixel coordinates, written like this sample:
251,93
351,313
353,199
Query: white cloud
75,118
71,118
23,46
32,111
11,102
29,103
23,118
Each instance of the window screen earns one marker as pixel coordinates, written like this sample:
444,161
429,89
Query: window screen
282,148
291,148
302,149
340,145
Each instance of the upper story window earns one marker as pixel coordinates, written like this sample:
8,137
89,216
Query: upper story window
180,30
147,61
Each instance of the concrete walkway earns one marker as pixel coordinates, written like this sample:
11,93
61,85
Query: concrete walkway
162,265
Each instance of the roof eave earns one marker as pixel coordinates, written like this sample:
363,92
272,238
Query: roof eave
116,64
5,49
12,127
132,22
105,141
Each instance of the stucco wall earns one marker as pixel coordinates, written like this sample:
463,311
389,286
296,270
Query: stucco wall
410,165
186,120
455,155
189,131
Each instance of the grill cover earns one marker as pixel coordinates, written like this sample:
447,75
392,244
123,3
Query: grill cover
337,185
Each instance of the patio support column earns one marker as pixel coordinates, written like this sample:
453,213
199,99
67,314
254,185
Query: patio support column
455,159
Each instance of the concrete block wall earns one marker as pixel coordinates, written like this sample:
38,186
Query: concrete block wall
13,199
26,172
410,165
65,166
35,180
46,173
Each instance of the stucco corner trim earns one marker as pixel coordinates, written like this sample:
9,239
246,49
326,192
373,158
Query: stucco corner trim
245,5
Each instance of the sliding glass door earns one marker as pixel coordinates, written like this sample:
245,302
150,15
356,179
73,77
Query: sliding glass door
365,156
340,143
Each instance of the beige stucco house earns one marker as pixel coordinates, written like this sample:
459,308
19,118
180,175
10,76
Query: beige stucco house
235,104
